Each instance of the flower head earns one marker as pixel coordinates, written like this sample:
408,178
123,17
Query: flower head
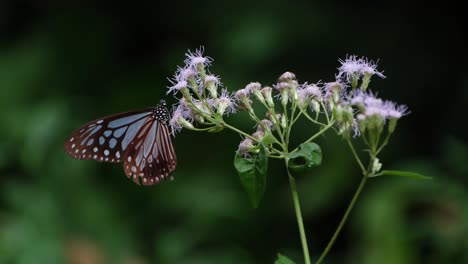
266,92
309,95
245,146
394,111
258,134
224,103
184,74
177,87
253,86
350,68
287,77
195,59
369,67
178,121
211,83
264,125
283,88
334,92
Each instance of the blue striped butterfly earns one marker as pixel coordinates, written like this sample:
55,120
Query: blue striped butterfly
139,139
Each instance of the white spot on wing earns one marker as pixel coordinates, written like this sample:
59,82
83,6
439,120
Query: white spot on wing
106,152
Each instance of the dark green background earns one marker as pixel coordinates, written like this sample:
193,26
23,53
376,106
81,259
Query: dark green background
62,65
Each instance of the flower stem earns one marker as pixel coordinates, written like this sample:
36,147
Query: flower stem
297,208
343,220
356,156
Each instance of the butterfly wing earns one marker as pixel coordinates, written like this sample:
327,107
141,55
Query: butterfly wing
151,156
141,139
107,139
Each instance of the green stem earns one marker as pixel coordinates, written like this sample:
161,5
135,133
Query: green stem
343,220
316,135
313,120
248,136
297,208
351,146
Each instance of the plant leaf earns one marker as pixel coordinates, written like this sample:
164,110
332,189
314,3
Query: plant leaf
309,155
405,174
269,139
283,260
252,173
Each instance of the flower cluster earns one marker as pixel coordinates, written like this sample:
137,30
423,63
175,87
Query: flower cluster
201,101
345,102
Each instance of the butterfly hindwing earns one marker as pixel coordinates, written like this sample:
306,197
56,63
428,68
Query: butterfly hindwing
151,159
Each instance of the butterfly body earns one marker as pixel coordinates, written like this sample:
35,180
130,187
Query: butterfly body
139,139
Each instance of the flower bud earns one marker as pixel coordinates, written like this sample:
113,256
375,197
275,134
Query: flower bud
265,126
293,90
254,88
283,121
258,135
338,111
266,92
245,146
376,166
362,123
315,105
185,123
211,84
287,77
335,88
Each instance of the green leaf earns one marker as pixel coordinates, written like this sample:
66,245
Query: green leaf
308,155
269,139
405,174
252,173
283,260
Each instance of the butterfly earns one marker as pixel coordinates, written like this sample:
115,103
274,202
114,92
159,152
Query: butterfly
139,139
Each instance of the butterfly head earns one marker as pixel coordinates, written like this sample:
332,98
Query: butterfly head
161,113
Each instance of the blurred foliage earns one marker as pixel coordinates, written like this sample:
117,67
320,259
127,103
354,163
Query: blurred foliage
62,65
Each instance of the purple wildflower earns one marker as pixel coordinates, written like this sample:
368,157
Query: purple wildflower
287,77
177,86
224,103
245,146
196,58
350,68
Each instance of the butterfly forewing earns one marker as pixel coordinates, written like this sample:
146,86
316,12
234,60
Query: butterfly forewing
140,139
106,139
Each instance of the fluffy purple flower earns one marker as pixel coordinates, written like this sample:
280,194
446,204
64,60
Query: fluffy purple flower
369,68
394,111
177,86
253,86
245,146
224,103
196,58
286,77
242,94
184,74
350,68
212,79
178,121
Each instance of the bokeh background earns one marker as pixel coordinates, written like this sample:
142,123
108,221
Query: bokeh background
62,65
